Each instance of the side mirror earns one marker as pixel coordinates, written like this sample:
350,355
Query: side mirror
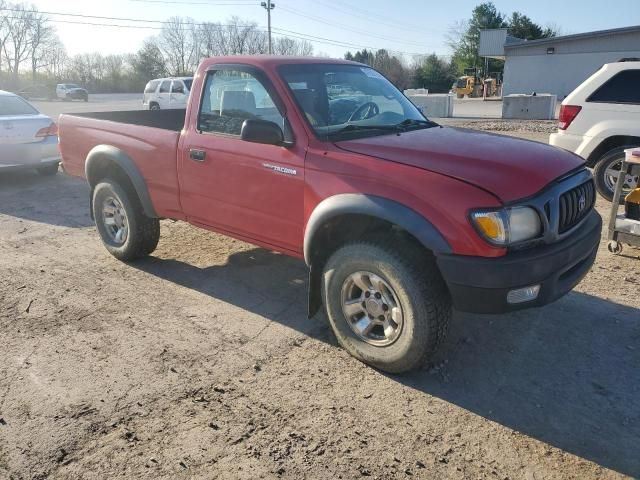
262,131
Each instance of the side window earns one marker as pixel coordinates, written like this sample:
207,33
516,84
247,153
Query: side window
165,86
177,87
231,97
621,88
151,87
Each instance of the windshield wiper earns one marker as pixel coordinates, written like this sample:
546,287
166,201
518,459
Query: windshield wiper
410,122
354,128
398,127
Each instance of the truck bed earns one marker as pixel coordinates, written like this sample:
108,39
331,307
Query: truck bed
148,138
164,119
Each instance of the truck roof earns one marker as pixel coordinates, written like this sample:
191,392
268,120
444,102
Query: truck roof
275,60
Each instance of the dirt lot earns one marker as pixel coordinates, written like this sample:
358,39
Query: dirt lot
199,362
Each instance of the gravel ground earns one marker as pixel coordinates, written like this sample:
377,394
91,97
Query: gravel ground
199,362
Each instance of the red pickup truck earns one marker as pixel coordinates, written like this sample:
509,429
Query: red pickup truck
398,218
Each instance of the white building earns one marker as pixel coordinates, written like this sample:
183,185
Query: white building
557,65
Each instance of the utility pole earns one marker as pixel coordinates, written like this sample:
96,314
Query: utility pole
269,6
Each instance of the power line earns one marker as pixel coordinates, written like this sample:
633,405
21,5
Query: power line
334,24
247,3
291,33
378,19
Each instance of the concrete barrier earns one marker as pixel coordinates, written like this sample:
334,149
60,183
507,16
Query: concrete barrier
416,91
529,107
435,105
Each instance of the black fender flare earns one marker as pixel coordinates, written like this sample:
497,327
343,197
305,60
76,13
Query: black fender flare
371,205
102,153
361,204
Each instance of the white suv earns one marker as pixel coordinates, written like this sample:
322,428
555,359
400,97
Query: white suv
600,119
167,93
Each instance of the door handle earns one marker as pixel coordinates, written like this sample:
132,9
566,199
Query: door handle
197,155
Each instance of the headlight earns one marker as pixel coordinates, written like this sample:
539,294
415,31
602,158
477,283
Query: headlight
507,226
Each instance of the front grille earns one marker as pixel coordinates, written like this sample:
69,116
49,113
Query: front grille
575,205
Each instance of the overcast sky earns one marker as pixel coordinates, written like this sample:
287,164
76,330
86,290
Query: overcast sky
409,26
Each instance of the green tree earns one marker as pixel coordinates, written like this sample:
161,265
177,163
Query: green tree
148,63
521,26
464,38
434,74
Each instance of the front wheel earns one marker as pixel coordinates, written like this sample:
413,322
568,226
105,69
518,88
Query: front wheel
388,309
607,171
126,232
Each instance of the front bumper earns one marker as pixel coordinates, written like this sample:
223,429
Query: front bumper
481,285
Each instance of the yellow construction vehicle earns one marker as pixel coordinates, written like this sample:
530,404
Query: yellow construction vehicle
471,84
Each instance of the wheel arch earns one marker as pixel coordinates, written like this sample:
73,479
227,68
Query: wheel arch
105,160
360,213
609,144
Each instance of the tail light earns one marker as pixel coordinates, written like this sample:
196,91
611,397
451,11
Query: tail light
568,113
50,131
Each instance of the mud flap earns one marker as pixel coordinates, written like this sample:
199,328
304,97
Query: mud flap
315,295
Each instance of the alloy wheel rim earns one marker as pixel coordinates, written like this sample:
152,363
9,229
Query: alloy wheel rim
371,308
114,219
611,175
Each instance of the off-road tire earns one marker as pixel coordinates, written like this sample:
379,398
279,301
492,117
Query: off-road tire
424,297
143,232
600,168
48,171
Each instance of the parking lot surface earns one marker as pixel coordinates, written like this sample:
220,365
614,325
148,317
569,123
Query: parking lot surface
199,362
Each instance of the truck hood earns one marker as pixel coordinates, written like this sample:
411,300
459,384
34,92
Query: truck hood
508,167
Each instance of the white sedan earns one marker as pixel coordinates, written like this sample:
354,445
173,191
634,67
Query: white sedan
28,139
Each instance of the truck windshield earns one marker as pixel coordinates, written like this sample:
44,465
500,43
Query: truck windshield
350,101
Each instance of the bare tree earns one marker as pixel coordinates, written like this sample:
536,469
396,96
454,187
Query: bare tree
176,41
41,37
57,58
291,47
18,45
4,33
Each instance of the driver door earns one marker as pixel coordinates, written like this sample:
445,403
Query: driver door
249,190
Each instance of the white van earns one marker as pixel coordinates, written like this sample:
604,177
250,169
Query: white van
167,93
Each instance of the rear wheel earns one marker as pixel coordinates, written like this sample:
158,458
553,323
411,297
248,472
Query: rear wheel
48,170
126,232
154,106
388,309
607,171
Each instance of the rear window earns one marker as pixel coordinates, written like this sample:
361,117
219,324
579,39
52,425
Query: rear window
10,105
188,82
623,87
151,86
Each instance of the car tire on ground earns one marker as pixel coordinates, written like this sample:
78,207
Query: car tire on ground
48,170
154,106
401,289
605,183
126,232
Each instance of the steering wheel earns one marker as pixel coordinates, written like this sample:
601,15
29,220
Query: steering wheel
364,111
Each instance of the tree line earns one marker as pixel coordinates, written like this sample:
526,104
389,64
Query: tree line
438,74
32,53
